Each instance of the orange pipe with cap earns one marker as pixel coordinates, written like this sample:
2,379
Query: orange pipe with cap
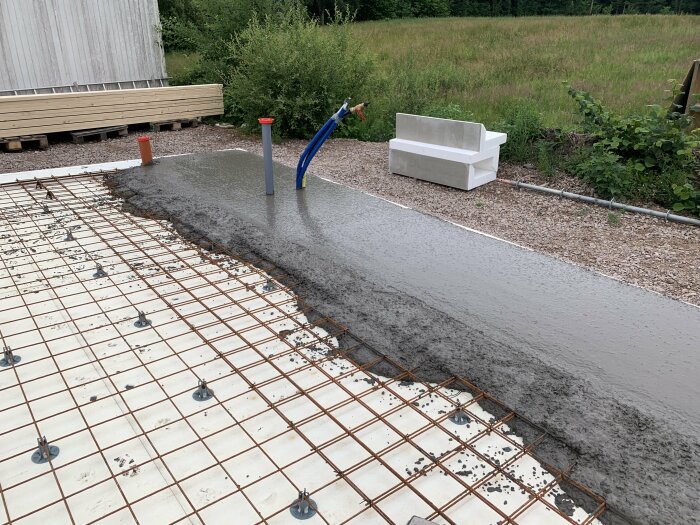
146,151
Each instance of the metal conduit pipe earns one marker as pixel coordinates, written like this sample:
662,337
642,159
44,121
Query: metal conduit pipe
611,204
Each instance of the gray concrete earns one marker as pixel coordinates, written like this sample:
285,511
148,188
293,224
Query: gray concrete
609,369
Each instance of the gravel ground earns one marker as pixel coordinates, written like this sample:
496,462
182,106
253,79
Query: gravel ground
663,257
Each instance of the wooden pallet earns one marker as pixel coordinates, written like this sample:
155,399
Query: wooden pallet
100,133
17,143
174,125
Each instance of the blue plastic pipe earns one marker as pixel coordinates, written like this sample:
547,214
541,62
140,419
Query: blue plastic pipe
316,143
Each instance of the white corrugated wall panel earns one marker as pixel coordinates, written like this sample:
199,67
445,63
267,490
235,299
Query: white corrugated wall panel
54,43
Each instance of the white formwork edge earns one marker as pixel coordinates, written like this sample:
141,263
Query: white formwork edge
66,171
146,452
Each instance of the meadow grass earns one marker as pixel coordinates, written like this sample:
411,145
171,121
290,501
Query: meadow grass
486,65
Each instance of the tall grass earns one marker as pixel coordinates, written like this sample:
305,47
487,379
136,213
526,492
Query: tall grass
485,65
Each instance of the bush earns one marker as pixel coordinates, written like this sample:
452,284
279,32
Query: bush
203,25
604,172
202,28
289,67
430,8
179,35
687,198
646,155
655,140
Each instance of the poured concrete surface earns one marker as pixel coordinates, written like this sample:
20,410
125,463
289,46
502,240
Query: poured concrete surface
611,369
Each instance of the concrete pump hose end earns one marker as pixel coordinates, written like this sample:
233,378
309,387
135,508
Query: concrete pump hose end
358,110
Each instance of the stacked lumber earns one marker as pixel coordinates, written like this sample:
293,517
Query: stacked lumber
51,113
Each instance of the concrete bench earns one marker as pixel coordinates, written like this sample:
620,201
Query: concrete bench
450,152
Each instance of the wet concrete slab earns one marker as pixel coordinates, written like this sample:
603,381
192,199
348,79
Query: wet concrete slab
611,369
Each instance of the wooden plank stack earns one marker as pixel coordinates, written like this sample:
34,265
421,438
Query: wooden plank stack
40,114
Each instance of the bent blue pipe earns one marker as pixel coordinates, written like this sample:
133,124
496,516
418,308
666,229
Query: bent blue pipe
316,143
312,148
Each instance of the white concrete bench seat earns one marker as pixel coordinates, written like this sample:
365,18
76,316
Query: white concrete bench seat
450,152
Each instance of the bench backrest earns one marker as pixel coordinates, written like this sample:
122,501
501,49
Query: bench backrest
440,131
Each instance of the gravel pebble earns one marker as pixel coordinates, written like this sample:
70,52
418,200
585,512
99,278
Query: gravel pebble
643,251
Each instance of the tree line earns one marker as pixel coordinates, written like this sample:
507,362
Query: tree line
201,24
386,9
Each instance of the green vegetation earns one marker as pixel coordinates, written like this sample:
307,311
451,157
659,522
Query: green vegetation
181,64
504,72
613,219
485,64
204,15
523,124
202,25
288,68
643,155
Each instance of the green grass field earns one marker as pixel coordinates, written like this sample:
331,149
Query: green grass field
484,64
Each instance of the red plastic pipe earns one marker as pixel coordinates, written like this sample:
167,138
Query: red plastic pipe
146,151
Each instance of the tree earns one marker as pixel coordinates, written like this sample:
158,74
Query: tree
425,8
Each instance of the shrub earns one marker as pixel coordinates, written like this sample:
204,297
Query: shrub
687,198
647,155
655,140
178,34
604,172
289,67
203,25
430,7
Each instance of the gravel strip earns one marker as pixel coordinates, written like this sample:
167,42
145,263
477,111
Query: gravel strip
643,251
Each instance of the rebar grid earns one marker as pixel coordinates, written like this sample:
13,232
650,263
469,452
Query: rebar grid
213,313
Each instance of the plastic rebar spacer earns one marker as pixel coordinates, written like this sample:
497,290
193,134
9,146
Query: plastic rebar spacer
44,452
203,392
142,321
303,507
